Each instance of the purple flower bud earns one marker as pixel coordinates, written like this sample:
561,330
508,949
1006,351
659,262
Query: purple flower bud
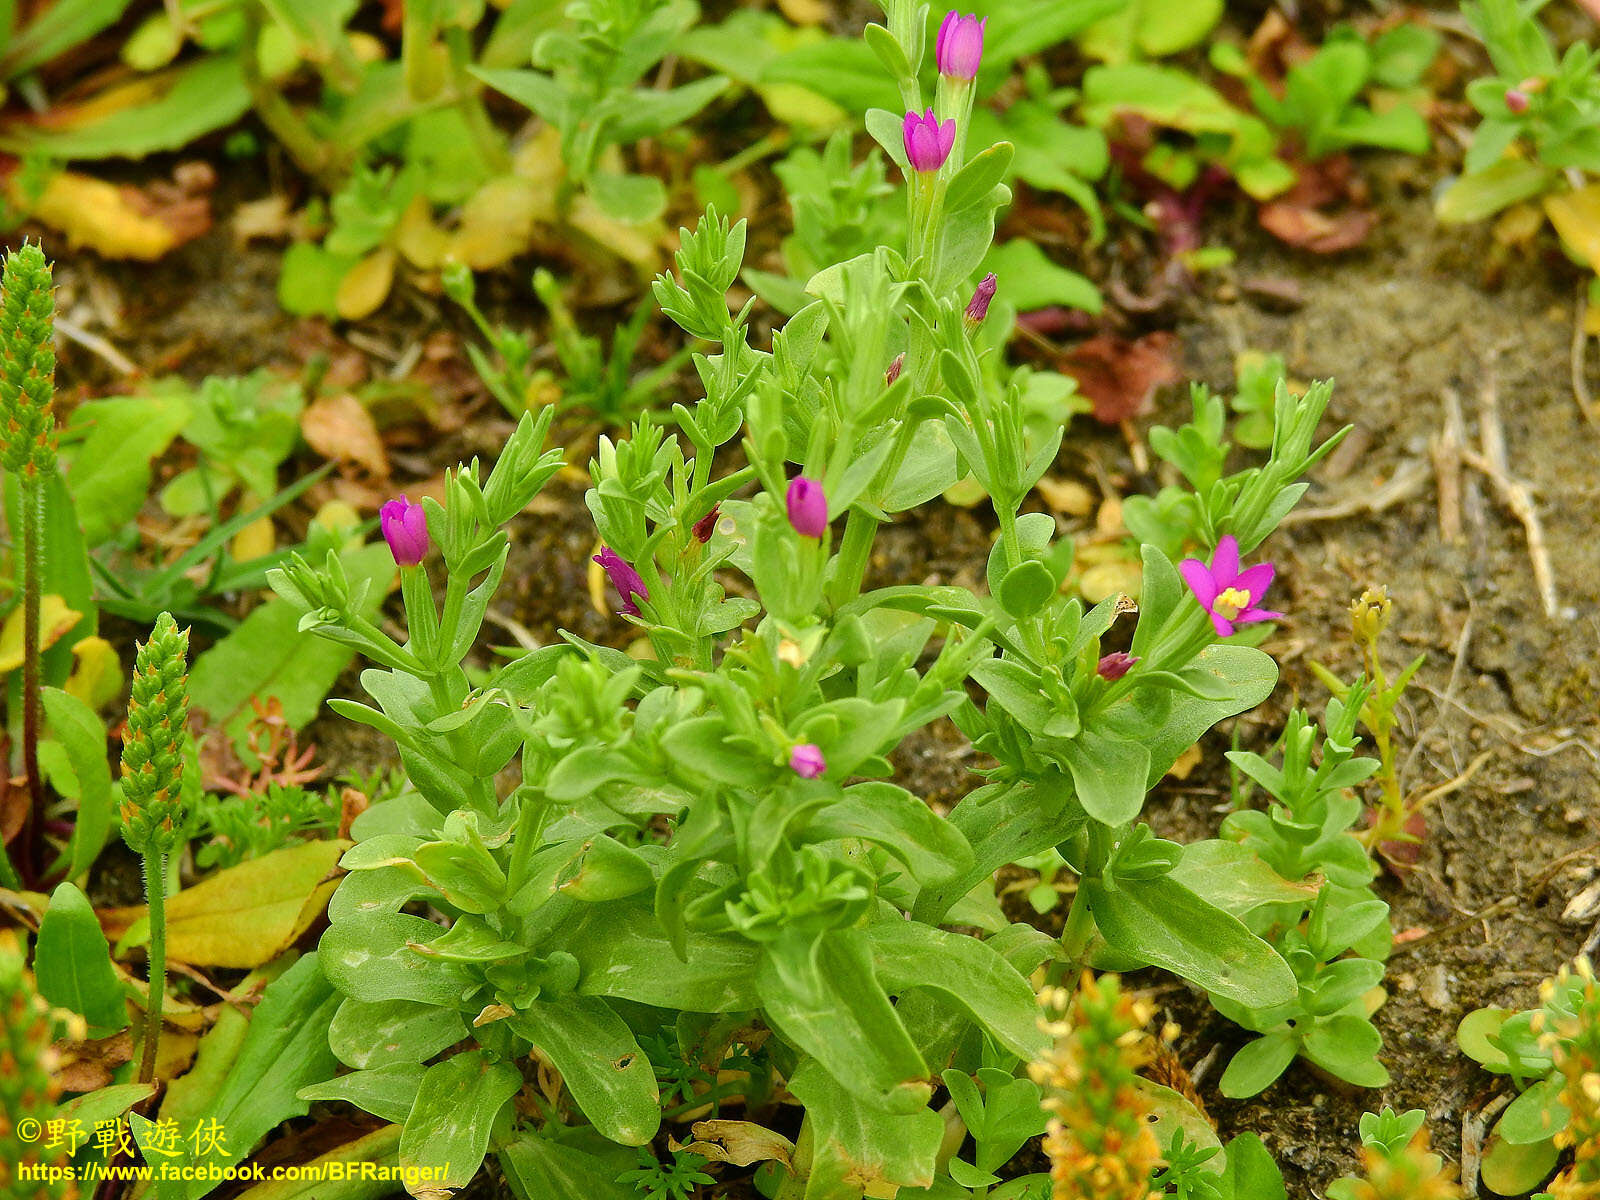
894,370
624,578
806,760
978,307
405,528
706,525
808,507
1115,665
959,48
928,142
1517,100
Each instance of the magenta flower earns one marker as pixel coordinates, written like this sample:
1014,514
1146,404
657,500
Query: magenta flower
959,48
978,306
928,142
808,507
624,578
806,760
405,528
1227,593
1115,665
1517,100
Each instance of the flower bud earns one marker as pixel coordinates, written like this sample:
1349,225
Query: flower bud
894,370
1517,100
1115,665
978,306
806,761
706,525
153,744
624,578
928,143
27,361
405,528
959,48
808,507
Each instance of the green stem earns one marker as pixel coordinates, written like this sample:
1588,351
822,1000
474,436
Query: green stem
32,586
155,883
1075,938
850,567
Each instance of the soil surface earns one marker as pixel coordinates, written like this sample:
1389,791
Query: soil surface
1412,331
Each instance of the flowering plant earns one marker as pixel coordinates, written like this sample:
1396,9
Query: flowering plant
702,842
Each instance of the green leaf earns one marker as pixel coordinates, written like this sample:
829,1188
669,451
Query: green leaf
1258,1064
453,1114
1535,1116
372,960
58,28
385,1092
308,286
268,656
1235,879
1251,1174
72,963
609,1077
109,471
1110,775
965,971
285,1049
382,1033
624,952
1348,1047
824,998
191,101
931,848
634,199
1475,1031
1511,1170
1161,922
78,730
1481,194
857,1146
539,1167
1029,280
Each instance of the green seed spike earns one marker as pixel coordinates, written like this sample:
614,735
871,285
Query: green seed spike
152,748
27,1093
27,361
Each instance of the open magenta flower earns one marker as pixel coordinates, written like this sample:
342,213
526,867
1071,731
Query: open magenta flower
624,578
808,507
806,760
1227,593
928,142
959,48
978,306
405,528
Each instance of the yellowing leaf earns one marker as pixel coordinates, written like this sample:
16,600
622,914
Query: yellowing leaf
497,222
96,673
366,285
1576,216
118,221
421,242
55,620
254,540
244,916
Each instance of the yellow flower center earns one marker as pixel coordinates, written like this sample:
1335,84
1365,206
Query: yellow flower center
1230,602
